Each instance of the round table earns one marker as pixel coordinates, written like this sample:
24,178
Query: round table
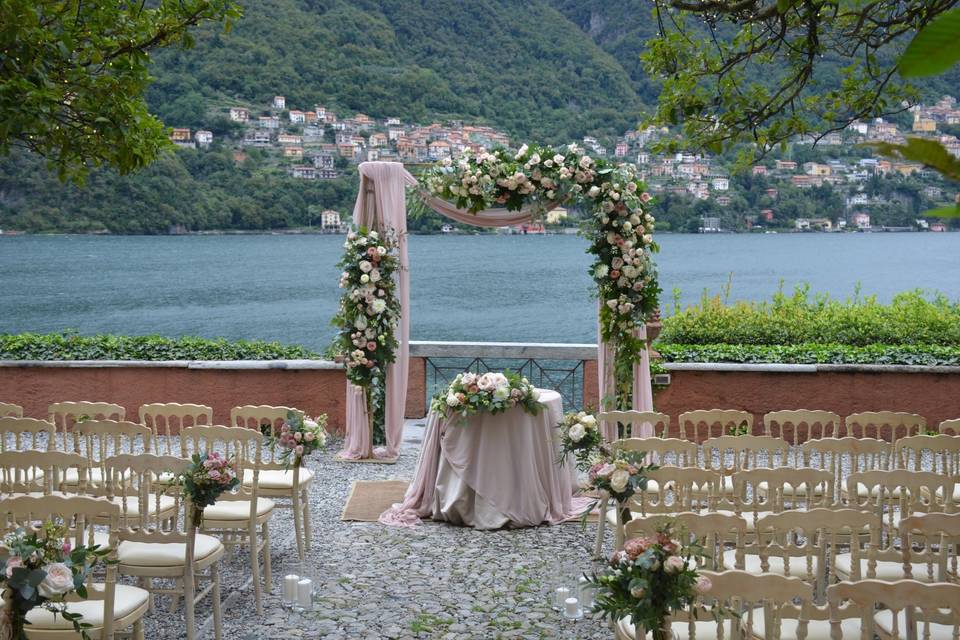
501,470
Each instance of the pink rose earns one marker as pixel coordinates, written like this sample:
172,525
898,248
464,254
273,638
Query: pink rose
309,436
644,197
299,450
673,564
703,585
214,474
372,251
634,547
615,274
298,436
66,547
12,563
371,346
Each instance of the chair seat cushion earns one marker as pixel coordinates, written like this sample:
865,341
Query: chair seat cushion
235,510
126,601
816,629
888,570
165,554
790,490
276,478
752,564
71,476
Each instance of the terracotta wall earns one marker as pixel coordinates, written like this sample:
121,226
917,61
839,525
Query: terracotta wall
313,390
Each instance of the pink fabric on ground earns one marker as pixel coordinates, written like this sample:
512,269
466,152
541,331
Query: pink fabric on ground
510,459
357,442
382,205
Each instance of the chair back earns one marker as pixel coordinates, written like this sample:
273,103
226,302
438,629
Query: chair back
701,424
924,604
79,516
678,489
950,427
799,425
663,451
260,416
243,447
736,453
632,421
900,493
8,410
942,451
64,415
757,491
101,439
17,434
42,472
167,419
712,531
885,425
842,456
141,484
930,541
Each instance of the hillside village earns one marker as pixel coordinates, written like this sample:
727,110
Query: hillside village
316,144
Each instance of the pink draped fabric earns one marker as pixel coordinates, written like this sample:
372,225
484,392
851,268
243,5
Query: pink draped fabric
488,217
382,204
509,459
642,386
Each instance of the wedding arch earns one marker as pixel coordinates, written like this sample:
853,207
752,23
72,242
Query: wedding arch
490,189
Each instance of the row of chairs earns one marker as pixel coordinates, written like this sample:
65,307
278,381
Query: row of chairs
95,429
795,425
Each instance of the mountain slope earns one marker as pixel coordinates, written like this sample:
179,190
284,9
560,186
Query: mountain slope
520,65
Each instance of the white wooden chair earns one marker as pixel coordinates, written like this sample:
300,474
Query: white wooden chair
276,481
166,419
899,493
738,453
240,518
18,434
878,424
8,410
100,439
701,424
153,546
891,610
109,607
950,427
760,492
930,544
673,452
715,532
739,605
42,473
64,415
799,425
842,456
632,421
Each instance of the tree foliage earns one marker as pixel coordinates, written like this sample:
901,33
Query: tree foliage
73,76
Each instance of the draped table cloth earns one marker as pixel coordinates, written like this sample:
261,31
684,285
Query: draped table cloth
492,471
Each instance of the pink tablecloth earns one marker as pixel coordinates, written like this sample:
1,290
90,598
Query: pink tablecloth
491,471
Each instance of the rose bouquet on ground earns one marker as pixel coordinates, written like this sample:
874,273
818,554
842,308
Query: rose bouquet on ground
41,570
580,436
299,437
368,315
209,475
648,580
472,393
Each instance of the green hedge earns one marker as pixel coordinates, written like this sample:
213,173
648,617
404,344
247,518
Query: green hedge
72,346
912,318
928,355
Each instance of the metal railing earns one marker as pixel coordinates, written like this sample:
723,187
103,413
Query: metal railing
547,366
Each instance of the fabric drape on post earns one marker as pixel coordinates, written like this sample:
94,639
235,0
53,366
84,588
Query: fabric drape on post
382,205
642,385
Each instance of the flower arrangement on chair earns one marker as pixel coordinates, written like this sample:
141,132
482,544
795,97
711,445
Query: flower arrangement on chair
472,393
41,571
209,475
580,435
649,579
299,437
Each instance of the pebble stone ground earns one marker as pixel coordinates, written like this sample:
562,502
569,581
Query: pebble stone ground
431,581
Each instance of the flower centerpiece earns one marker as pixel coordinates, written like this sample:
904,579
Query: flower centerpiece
649,579
471,393
208,475
368,315
580,436
299,437
42,569
619,227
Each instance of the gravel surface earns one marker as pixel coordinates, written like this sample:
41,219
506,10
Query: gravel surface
431,581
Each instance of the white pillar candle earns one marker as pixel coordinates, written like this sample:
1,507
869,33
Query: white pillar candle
586,593
560,596
571,608
305,593
290,588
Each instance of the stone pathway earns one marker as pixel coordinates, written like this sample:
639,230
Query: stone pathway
432,581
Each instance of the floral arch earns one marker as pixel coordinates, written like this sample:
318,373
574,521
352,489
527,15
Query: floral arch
491,189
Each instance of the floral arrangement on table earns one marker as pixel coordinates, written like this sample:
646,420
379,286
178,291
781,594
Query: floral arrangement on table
619,227
209,475
649,579
41,571
580,436
368,315
299,437
472,393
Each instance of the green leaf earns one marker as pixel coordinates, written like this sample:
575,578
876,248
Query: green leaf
934,49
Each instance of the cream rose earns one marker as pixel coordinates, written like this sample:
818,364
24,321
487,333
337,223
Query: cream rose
366,266
619,480
673,564
58,581
577,432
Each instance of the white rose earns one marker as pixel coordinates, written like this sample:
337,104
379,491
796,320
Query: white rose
612,304
619,480
632,187
381,251
366,266
379,306
501,393
467,378
588,421
521,152
364,278
647,238
535,394
452,400
57,582
627,227
375,275
486,382
585,162
360,323
374,235
558,159
535,159
577,432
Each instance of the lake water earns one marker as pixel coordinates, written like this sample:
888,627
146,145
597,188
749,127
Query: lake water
488,288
